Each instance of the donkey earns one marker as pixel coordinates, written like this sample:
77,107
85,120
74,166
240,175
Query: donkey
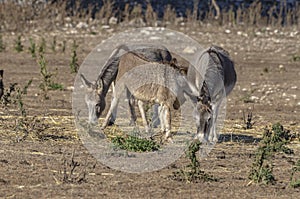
96,91
215,69
162,84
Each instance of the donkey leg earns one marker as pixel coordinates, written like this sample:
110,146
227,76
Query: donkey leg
142,111
213,135
113,105
165,116
131,104
114,111
161,118
155,117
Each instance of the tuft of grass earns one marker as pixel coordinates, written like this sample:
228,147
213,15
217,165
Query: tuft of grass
74,66
295,183
2,45
296,58
273,141
192,172
32,48
18,44
47,82
46,76
56,86
64,44
135,144
42,47
248,123
53,45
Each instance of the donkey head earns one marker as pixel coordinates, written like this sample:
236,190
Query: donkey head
203,114
94,98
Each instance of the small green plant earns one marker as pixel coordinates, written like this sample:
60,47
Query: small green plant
74,60
192,172
19,98
53,46
32,48
296,169
64,46
47,82
18,44
56,86
296,58
42,47
46,76
273,141
23,124
135,144
2,45
248,122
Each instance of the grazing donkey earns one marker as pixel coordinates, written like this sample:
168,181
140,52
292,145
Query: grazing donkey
217,69
163,84
96,91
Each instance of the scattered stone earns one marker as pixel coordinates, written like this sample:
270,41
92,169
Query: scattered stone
82,25
105,27
294,87
113,21
190,50
227,31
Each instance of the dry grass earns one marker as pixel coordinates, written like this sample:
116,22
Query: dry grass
63,15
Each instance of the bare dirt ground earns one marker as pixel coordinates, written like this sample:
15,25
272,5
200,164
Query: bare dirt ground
268,84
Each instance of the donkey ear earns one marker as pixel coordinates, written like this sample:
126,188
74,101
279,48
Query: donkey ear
85,82
192,89
99,86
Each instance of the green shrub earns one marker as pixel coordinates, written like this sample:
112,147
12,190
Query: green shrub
273,141
136,144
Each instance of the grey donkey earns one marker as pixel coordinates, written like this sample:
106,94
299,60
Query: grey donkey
216,69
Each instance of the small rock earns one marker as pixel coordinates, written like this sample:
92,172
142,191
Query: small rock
253,98
154,38
81,25
258,33
113,21
294,87
70,88
227,31
105,27
190,50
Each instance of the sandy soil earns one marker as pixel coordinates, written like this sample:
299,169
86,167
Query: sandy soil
268,85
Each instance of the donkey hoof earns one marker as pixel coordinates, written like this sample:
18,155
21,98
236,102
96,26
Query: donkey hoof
110,123
132,122
168,140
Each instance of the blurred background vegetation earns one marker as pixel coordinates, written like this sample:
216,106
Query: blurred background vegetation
28,15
